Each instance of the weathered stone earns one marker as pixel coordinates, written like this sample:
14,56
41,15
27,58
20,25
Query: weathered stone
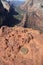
20,46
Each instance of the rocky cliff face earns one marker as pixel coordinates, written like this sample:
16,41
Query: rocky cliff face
20,46
5,5
34,9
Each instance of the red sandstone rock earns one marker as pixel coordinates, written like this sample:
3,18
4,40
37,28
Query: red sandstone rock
21,46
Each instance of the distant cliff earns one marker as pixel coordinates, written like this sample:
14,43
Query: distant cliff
34,9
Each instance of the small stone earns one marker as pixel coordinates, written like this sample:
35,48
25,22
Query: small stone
24,50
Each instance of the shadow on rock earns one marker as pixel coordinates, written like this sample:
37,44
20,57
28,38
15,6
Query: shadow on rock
9,20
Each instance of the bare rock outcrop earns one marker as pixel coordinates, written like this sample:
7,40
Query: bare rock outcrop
5,5
21,46
34,9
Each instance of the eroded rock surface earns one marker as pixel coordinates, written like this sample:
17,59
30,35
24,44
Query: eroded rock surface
20,46
34,10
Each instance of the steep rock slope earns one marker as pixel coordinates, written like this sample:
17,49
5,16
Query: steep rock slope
34,9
